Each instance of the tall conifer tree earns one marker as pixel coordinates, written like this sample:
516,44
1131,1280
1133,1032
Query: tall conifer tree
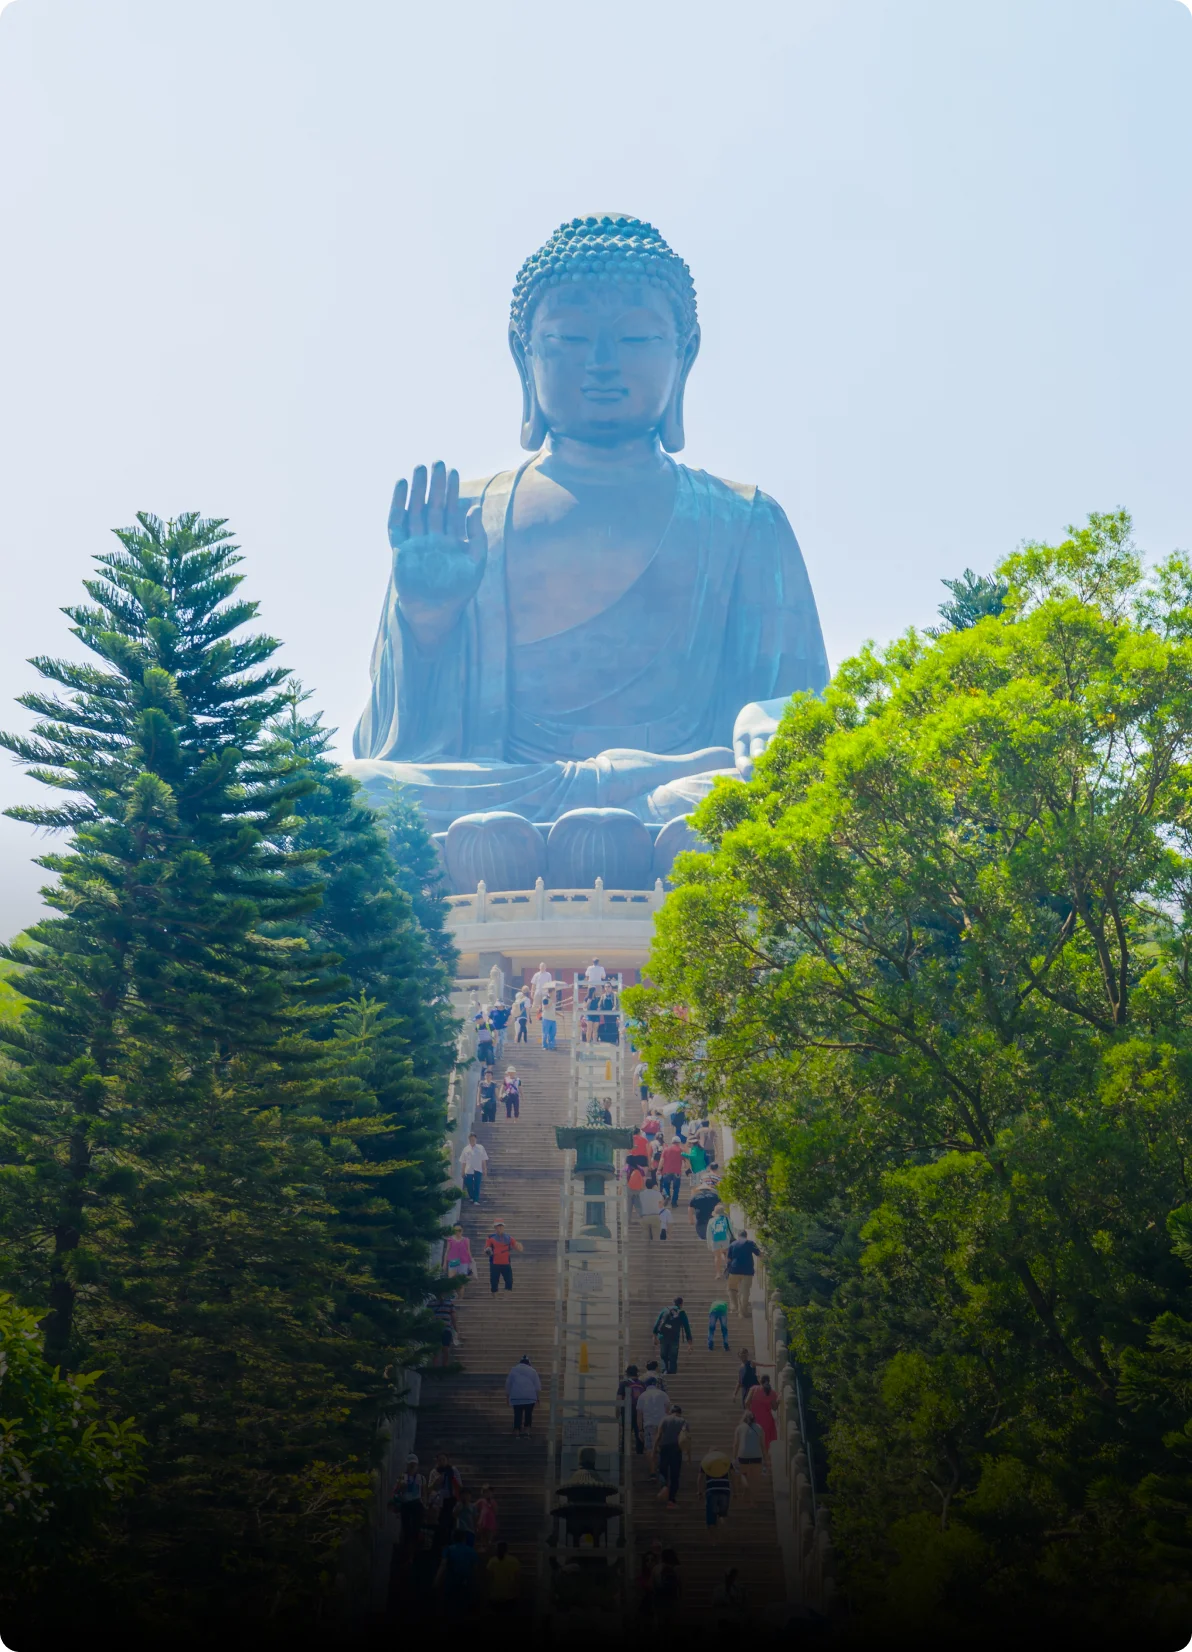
201,1151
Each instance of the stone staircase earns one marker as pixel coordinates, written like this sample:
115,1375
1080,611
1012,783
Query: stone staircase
703,1386
465,1413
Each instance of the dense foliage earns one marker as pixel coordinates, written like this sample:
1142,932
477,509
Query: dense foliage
222,1106
937,973
63,1466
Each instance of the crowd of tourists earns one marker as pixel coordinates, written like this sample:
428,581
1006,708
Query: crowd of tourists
453,1536
450,1539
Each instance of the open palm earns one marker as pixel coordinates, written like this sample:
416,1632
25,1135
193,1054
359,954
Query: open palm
439,550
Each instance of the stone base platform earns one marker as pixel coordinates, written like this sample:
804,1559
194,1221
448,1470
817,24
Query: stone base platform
566,928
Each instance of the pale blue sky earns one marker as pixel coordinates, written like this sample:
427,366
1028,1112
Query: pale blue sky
257,259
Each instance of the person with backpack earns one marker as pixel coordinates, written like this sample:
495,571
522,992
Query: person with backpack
499,1248
720,1237
716,1483
672,1324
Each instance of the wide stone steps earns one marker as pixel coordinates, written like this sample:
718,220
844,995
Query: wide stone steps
466,1413
703,1386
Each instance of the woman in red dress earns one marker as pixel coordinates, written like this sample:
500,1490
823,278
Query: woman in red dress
762,1400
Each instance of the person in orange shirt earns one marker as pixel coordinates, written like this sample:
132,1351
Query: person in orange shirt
499,1247
636,1182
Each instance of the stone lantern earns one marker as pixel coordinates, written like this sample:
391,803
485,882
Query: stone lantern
594,1146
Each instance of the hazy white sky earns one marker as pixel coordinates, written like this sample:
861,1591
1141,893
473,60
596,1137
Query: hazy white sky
257,257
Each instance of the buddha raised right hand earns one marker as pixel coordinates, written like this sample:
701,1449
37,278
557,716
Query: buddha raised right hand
439,551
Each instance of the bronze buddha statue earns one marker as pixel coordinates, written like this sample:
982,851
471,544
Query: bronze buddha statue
601,628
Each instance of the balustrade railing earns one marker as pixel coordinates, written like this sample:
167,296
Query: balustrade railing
543,905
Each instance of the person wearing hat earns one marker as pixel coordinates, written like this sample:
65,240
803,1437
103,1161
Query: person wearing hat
499,1248
522,1388
409,1501
511,1093
716,1483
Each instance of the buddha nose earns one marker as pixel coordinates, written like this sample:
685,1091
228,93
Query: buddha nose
602,358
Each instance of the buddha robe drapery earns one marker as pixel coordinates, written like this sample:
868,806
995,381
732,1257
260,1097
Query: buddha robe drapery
601,713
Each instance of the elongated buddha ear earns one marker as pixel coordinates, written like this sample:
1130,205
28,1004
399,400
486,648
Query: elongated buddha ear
670,432
533,426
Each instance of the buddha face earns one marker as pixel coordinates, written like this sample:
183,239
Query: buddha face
605,359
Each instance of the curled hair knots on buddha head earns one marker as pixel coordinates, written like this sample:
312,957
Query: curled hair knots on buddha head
609,246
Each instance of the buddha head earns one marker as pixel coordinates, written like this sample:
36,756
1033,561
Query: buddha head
604,333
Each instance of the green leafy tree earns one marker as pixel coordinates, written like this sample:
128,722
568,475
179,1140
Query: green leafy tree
64,1467
932,973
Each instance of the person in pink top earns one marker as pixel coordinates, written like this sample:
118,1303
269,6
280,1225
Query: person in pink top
486,1519
762,1401
457,1255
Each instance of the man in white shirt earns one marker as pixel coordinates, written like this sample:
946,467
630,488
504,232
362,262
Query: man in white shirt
651,1203
541,982
473,1161
652,1405
595,975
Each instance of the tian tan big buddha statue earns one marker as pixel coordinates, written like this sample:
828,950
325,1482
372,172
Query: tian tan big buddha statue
570,652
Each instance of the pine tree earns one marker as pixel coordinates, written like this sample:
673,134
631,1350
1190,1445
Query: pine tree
394,1022
172,804
420,872
974,597
220,1179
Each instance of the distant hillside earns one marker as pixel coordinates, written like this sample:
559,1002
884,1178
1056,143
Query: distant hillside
11,1002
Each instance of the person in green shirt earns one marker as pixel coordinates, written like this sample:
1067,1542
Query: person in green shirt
696,1158
718,1315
